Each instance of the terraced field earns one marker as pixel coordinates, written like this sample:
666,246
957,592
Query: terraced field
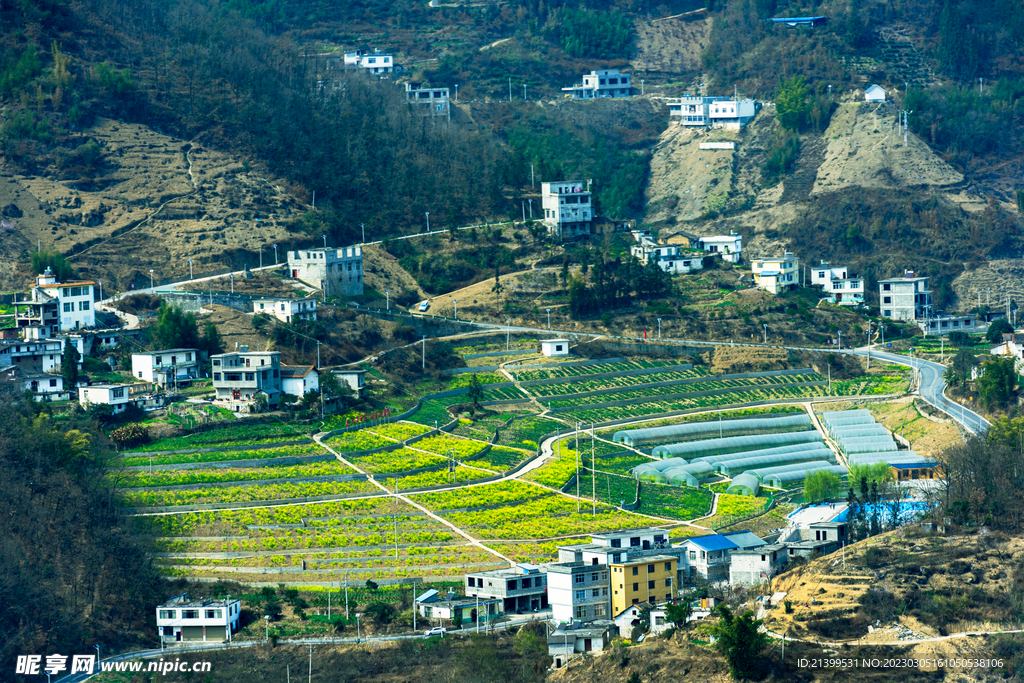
515,510
526,432
582,384
321,542
526,375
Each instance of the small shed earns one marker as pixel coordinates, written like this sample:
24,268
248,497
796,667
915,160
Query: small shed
554,347
874,93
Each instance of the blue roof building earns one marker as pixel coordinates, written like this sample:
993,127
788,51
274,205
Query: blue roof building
793,22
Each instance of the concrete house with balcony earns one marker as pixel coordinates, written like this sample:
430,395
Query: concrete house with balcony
57,306
34,355
839,285
601,83
117,396
167,367
729,247
670,258
428,101
568,208
241,377
904,298
180,619
339,272
286,310
44,386
699,111
377,64
578,591
776,274
709,557
649,579
756,565
433,605
522,588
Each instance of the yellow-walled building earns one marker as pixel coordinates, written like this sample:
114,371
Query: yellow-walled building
644,579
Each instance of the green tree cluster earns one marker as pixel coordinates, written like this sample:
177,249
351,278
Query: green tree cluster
177,329
54,260
997,381
591,34
820,485
615,283
741,642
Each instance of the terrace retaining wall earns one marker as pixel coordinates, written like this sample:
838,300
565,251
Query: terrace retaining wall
648,385
276,444
621,373
251,482
265,462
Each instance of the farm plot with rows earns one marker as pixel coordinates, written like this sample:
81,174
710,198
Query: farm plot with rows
500,459
264,453
235,435
230,494
445,444
571,371
399,460
657,500
536,552
709,385
499,493
460,475
620,464
527,432
354,539
435,412
399,431
145,478
359,440
582,384
654,407
549,516
505,394
558,468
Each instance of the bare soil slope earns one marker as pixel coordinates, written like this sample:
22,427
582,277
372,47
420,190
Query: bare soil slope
159,202
670,45
993,281
865,149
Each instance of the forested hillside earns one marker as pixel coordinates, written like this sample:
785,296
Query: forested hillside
73,572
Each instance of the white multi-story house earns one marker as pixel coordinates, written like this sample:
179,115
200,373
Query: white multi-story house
57,306
339,272
601,83
732,114
181,619
33,355
670,258
241,377
904,298
568,209
427,100
297,380
287,310
699,111
579,591
776,274
756,565
117,396
729,247
377,64
569,639
167,367
841,287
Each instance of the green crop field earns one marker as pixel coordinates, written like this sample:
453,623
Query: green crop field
582,384
569,371
143,478
235,436
267,452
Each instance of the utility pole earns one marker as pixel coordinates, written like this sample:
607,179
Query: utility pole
532,183
364,232
593,470
310,664
424,365
510,90
577,468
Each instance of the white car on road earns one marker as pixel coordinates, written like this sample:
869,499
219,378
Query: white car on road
436,631
424,306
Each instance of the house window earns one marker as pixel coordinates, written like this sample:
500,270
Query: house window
616,557
668,583
250,377
513,585
216,376
53,383
168,613
168,630
693,554
216,361
472,582
581,595
593,577
214,613
886,299
887,313
668,566
580,578
886,288
650,585
599,610
189,614
636,587
83,305
604,576
650,568
636,570
596,593
581,611
69,307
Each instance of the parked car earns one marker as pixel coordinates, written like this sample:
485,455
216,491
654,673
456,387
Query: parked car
436,631
424,306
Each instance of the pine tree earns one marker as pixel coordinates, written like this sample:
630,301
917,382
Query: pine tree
69,366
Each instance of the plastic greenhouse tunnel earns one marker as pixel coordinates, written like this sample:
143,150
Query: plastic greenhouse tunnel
731,467
763,472
733,444
825,451
784,480
693,431
744,485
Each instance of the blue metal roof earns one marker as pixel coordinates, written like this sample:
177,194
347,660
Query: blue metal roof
711,543
799,21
